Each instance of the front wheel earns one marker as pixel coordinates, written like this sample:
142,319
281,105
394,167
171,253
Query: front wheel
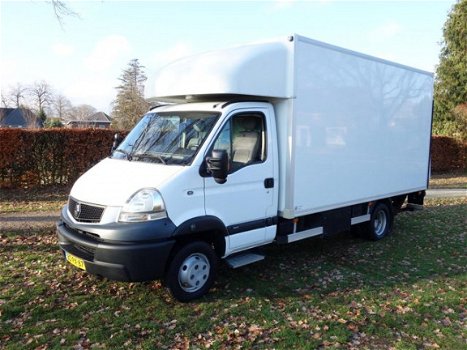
380,224
192,271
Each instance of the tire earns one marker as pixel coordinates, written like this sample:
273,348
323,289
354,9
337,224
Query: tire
192,271
380,224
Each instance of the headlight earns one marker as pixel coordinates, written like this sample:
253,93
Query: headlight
144,205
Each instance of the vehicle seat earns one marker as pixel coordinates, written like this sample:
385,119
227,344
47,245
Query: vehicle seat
194,142
246,141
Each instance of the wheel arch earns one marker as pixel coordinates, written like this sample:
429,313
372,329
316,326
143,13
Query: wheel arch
208,228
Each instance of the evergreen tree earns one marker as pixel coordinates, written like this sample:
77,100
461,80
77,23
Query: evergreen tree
130,104
42,115
450,117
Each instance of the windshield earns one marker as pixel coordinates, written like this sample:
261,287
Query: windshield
167,137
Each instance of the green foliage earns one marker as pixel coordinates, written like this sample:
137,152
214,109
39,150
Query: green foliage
130,104
42,116
53,123
450,116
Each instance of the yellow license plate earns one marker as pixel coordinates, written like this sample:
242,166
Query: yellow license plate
73,260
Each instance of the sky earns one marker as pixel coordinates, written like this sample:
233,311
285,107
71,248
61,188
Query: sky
83,57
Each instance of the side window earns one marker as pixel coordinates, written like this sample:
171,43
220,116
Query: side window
244,139
223,141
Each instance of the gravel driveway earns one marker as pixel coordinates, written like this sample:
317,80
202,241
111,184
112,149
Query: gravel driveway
36,220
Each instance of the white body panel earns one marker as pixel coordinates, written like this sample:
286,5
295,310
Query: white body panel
184,195
256,70
112,182
358,130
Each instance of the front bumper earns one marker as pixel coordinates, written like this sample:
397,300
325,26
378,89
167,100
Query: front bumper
128,260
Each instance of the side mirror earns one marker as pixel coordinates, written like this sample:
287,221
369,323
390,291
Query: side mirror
117,141
218,165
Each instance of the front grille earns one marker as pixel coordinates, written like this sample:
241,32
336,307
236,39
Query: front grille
82,212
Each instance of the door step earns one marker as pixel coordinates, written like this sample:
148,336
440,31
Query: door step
243,259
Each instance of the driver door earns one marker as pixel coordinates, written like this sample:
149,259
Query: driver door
245,202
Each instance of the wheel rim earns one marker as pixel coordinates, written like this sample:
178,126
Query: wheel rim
380,222
194,272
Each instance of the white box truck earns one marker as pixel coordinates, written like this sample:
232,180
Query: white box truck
269,142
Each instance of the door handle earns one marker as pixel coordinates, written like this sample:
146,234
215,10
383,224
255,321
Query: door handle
269,182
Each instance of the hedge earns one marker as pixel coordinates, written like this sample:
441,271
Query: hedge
33,158
448,154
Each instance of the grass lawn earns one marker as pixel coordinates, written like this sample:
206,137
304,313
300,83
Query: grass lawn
450,180
407,291
38,200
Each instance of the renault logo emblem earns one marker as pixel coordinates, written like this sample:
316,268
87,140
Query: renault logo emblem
77,210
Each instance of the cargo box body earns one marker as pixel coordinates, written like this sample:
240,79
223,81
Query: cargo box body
357,129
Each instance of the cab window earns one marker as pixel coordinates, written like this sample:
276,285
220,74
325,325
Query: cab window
244,139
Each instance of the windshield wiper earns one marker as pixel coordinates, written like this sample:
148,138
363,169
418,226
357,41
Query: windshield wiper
128,155
150,156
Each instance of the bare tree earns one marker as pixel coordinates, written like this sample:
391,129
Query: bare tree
62,10
5,101
42,95
17,94
62,107
82,112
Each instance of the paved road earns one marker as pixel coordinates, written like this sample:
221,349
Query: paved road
446,193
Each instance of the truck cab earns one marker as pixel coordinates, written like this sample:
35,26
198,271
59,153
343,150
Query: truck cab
198,172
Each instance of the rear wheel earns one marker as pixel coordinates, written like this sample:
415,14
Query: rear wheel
192,271
380,224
